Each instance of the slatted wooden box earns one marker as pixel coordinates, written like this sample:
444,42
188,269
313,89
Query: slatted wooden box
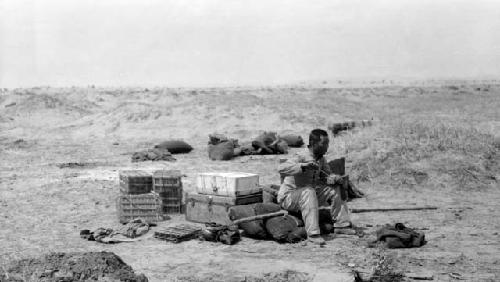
145,206
168,184
135,182
178,233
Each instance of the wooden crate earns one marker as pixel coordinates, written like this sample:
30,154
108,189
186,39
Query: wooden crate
135,182
207,208
171,203
145,206
168,184
164,180
231,184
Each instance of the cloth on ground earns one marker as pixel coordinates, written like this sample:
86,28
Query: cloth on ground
400,236
175,146
255,228
156,154
128,233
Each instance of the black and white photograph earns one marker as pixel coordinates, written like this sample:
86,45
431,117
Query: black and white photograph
249,141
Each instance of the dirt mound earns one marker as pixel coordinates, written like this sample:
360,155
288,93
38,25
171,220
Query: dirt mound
98,266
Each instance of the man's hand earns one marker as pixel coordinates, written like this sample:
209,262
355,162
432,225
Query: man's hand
310,165
334,179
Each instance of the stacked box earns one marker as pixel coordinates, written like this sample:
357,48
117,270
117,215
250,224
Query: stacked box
168,184
217,192
136,199
215,209
145,206
133,182
231,184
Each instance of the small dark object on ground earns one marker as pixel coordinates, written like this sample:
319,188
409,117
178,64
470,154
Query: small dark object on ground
70,165
79,164
338,127
225,234
99,266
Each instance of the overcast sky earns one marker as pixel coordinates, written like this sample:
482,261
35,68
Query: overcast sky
215,42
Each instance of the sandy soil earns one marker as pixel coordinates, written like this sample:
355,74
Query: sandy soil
43,207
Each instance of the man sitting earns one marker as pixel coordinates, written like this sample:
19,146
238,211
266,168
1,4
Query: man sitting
308,183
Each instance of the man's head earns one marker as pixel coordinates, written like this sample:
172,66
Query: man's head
318,142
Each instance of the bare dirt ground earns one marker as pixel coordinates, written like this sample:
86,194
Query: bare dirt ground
429,145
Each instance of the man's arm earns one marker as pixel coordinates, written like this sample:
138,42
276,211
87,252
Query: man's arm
295,165
292,166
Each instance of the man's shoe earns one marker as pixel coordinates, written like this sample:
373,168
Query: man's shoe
344,224
316,240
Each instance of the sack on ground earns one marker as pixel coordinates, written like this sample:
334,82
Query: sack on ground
280,227
292,140
297,235
221,152
255,228
175,146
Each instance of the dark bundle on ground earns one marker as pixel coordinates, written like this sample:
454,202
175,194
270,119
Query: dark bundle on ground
153,155
269,143
97,266
175,146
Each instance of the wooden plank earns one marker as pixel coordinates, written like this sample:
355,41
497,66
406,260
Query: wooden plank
416,208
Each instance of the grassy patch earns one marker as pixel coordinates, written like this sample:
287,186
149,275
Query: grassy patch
413,151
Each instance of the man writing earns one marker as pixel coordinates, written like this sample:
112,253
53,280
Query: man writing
308,183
